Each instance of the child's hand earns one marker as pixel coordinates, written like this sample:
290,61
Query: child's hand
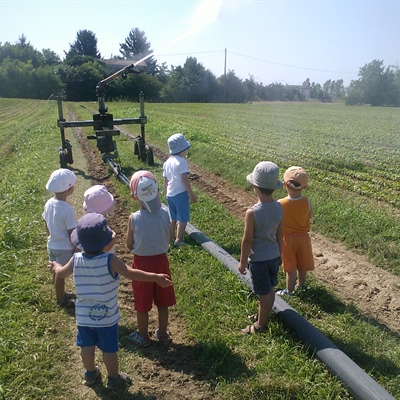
193,198
52,265
163,280
242,268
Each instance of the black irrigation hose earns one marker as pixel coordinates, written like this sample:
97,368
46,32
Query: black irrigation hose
360,385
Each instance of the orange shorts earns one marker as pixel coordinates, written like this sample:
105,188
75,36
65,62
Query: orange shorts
145,293
297,252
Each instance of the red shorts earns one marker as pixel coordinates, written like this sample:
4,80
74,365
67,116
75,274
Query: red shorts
145,293
297,252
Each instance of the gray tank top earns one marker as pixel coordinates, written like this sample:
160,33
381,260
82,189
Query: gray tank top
150,232
267,218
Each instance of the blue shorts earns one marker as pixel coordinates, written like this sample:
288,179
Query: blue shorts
179,207
105,338
264,275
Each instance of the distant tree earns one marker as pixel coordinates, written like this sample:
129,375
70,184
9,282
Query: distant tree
376,86
251,87
84,45
233,88
190,83
136,47
50,57
22,51
21,79
81,80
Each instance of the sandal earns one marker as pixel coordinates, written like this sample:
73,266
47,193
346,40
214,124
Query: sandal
91,376
163,339
67,303
253,317
252,329
135,338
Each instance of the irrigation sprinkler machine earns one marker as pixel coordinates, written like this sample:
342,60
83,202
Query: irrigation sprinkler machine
104,128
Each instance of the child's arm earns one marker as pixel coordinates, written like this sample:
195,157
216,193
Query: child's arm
188,187
47,228
112,243
247,240
165,186
117,265
310,210
279,236
60,270
129,235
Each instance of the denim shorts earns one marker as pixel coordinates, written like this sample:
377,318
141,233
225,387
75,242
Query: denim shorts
105,338
179,207
264,275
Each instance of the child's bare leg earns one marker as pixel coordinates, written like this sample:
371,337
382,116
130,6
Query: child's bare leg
111,363
291,281
302,278
59,285
162,320
181,231
87,355
143,323
172,228
266,301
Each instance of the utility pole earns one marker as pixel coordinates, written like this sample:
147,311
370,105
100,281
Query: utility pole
225,79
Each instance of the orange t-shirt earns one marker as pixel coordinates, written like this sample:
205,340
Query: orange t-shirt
296,218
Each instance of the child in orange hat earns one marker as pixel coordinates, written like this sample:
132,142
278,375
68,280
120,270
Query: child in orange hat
297,255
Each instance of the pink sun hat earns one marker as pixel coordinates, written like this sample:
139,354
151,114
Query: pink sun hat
98,199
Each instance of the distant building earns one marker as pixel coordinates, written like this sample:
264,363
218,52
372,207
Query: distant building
297,92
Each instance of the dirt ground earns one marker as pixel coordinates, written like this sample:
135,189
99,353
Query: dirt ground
375,292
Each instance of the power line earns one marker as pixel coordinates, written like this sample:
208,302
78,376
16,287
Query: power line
293,66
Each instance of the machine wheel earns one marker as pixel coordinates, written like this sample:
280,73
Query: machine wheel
68,150
141,149
150,156
63,158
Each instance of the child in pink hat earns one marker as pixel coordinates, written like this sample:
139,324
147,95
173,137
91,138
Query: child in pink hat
148,240
99,200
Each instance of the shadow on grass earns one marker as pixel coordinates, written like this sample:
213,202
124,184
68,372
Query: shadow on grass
202,362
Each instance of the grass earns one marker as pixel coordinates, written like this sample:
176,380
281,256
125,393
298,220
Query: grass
38,358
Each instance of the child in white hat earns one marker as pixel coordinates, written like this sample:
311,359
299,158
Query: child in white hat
177,189
60,220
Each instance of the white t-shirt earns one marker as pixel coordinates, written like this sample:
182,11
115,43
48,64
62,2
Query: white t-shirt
60,218
173,169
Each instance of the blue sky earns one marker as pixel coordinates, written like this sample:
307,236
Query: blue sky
273,41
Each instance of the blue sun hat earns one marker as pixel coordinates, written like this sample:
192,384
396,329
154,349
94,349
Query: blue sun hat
91,233
177,143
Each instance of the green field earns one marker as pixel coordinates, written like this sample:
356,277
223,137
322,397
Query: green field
352,156
351,153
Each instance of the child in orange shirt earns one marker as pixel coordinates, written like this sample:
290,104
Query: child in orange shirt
297,255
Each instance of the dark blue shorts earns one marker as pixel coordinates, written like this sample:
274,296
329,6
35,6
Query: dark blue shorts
105,338
264,275
179,207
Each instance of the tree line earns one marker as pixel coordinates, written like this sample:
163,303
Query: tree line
29,73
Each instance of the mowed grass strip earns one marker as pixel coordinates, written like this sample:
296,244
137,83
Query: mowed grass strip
38,358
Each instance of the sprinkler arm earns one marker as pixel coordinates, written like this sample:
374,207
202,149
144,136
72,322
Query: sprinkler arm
101,86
